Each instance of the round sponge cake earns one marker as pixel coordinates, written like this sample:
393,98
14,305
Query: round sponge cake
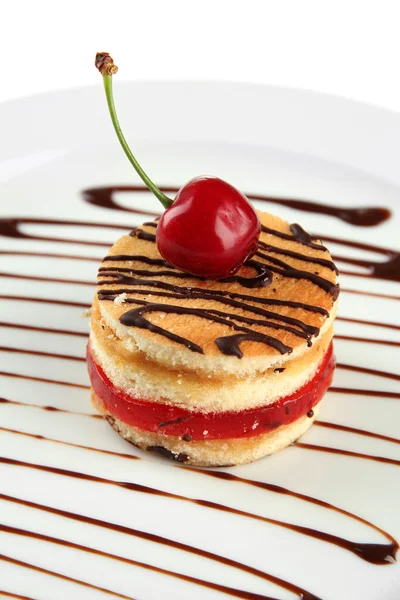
235,344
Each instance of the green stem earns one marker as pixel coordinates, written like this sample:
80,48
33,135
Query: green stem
165,201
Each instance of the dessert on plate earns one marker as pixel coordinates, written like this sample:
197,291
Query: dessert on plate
211,327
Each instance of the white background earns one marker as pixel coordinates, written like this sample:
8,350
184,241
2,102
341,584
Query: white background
346,47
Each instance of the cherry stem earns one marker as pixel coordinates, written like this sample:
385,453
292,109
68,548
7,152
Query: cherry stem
105,65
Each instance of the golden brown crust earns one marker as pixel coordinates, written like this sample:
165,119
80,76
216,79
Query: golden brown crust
204,332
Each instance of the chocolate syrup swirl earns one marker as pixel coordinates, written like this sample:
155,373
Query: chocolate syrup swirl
286,270
61,442
306,330
365,340
38,254
276,489
228,345
378,550
367,371
360,216
157,539
42,329
38,569
297,255
298,235
11,228
40,353
365,392
262,279
374,553
380,459
347,429
201,582
40,300
46,279
18,596
48,408
44,380
389,270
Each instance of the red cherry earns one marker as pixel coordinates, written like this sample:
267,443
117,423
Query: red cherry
209,230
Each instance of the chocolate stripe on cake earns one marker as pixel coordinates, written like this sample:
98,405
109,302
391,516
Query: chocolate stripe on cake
192,295
228,345
298,256
299,235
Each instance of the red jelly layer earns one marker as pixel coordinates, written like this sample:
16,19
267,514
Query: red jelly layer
170,420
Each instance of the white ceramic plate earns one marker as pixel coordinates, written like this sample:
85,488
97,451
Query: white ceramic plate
116,535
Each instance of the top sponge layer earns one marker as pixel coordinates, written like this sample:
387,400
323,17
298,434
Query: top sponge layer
270,312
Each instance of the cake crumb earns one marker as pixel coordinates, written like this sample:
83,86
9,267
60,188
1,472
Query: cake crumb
87,313
205,432
120,299
255,425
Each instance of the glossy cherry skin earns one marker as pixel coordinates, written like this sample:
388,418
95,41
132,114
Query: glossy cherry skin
209,230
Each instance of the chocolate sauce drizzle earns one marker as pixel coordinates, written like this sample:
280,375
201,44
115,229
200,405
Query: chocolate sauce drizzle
201,582
157,539
42,329
367,371
235,478
39,254
61,442
365,392
380,459
18,596
48,408
46,279
44,380
373,553
253,483
360,216
389,270
40,353
356,431
11,228
41,300
38,569
228,345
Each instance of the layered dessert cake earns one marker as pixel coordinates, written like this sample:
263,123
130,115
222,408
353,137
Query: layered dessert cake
213,372
211,328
